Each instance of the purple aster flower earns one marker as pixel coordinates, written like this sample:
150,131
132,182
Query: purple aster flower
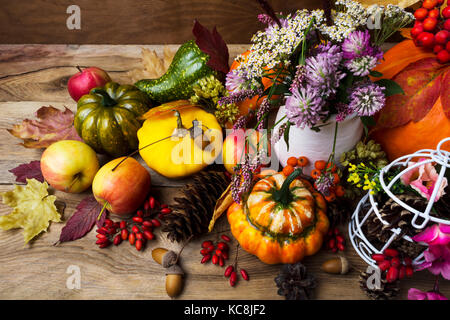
299,78
324,183
366,98
242,180
263,109
276,135
238,96
332,51
322,72
234,82
305,107
361,66
240,123
357,44
265,18
343,110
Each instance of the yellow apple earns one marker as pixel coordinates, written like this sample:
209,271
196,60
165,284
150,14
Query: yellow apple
69,165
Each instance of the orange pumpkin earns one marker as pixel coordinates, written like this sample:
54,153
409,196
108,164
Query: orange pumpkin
282,220
427,130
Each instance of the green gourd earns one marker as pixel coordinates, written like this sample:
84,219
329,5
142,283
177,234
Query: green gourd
187,68
107,118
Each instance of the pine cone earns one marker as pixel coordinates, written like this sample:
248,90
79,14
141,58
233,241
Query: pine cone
397,216
339,211
192,213
408,248
443,206
386,292
294,283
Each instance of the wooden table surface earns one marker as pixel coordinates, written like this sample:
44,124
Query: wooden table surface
32,76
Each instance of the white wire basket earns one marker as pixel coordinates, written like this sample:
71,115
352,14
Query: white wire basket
368,207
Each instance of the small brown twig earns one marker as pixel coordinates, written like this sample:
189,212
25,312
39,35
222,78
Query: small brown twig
184,245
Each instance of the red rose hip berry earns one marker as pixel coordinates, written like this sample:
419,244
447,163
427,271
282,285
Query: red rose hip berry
446,12
416,31
425,39
443,56
421,14
441,37
392,274
438,48
429,24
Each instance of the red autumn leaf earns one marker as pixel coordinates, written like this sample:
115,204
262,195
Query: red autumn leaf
52,125
83,219
28,171
423,83
213,45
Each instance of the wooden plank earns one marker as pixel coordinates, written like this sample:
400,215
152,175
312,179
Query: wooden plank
41,72
133,21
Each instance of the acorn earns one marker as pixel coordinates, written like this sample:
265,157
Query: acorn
174,274
338,265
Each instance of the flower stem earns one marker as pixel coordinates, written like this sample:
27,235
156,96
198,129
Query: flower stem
331,158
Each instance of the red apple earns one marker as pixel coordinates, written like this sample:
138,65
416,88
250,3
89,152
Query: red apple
69,165
82,82
121,186
234,145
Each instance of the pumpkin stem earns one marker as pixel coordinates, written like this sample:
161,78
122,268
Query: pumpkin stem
106,101
283,195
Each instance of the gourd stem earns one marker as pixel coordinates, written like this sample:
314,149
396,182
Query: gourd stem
283,195
106,101
179,122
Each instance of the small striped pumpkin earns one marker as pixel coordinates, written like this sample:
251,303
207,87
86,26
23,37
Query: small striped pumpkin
282,220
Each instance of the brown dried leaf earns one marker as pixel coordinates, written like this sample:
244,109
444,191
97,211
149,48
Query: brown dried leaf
400,3
154,66
52,125
222,205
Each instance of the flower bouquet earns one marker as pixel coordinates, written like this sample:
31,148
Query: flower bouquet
316,69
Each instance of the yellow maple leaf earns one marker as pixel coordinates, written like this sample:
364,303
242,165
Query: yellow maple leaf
33,209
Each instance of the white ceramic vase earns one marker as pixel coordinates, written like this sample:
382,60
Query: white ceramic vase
318,145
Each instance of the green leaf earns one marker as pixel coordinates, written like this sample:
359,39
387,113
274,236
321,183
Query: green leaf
390,87
376,74
368,121
286,134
